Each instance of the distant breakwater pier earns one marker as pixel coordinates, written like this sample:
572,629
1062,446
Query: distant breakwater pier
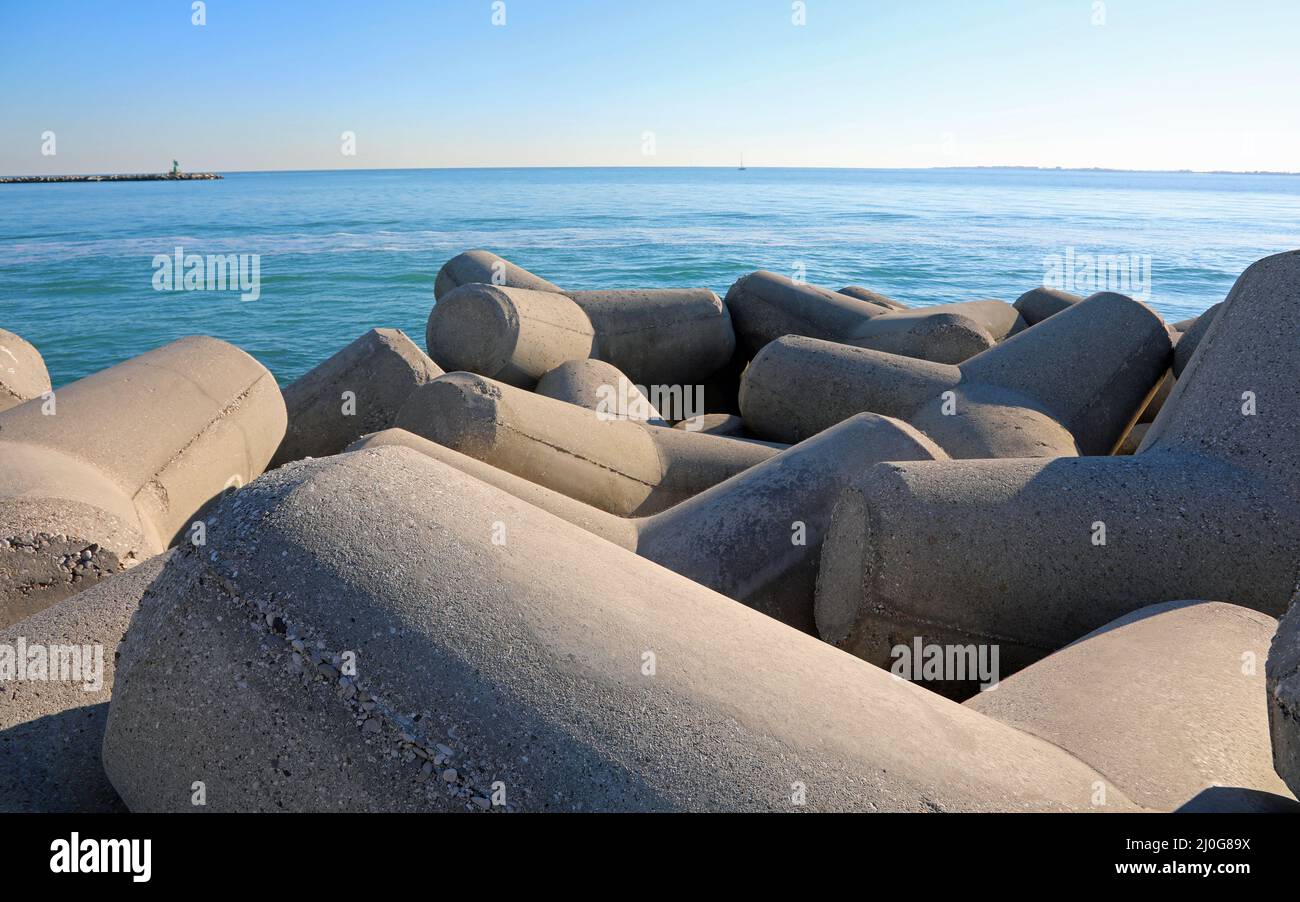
139,177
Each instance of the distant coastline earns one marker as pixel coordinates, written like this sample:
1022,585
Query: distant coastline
140,177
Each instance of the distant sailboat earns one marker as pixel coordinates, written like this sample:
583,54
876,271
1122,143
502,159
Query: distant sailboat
742,162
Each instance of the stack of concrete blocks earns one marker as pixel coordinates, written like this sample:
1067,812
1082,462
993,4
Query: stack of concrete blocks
488,538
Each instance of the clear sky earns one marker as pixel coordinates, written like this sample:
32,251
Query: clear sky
274,84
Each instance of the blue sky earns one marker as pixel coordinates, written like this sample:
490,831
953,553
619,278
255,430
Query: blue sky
1162,84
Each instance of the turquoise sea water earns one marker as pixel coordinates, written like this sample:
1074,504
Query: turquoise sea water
342,252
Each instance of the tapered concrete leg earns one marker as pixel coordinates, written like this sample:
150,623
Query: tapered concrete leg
687,701
1184,723
1034,554
616,465
764,306
22,371
1082,376
601,387
1191,338
112,469
715,424
949,333
671,336
485,268
52,720
871,297
357,391
754,537
514,335
1038,304
1283,697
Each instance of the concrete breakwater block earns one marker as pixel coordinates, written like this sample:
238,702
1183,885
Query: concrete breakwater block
598,386
112,468
1283,697
1072,384
315,657
616,465
52,719
1033,554
514,327
356,391
755,537
1184,723
22,371
765,306
1038,304
1191,338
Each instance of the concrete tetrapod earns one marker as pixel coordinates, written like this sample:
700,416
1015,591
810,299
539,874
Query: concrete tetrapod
113,468
1038,304
52,721
357,391
765,306
513,326
755,537
616,465
1165,701
1033,554
1079,378
598,386
22,371
551,671
1283,680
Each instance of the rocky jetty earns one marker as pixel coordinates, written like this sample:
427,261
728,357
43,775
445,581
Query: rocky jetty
137,177
660,550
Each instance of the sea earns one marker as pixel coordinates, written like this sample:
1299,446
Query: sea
339,252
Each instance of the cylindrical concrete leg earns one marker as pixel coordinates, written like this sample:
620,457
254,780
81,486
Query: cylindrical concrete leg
615,465
485,268
757,536
1190,340
1093,366
112,468
597,385
1181,727
513,335
796,386
1038,304
1283,694
1033,554
671,336
871,297
764,306
22,371
357,391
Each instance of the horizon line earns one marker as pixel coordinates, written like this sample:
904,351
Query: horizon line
691,166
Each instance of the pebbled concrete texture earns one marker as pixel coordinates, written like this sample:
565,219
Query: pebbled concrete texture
81,497
51,731
1033,554
765,306
1073,384
1167,701
380,370
616,465
755,537
659,693
1283,696
22,371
